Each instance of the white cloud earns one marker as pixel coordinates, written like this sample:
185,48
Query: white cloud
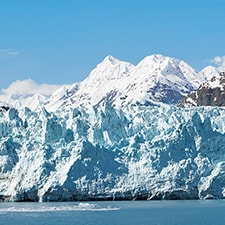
220,62
25,87
7,52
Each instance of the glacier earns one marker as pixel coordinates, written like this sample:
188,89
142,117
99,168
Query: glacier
140,152
117,135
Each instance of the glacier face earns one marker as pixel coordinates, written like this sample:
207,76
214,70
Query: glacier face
138,153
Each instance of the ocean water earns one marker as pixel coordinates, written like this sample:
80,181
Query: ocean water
115,213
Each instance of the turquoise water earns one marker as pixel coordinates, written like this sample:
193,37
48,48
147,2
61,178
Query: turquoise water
115,213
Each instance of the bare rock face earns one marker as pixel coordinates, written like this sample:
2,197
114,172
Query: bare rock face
210,93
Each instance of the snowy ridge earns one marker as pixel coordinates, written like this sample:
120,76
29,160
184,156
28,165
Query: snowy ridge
32,101
60,97
208,73
140,153
155,80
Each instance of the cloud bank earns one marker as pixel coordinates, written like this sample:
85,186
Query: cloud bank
7,52
28,86
220,62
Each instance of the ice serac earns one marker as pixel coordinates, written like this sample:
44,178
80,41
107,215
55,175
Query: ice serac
142,152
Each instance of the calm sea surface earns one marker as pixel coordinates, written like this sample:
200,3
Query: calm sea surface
115,213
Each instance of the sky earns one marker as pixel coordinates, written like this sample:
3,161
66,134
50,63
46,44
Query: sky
60,41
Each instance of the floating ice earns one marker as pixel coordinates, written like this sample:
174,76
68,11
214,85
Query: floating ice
56,207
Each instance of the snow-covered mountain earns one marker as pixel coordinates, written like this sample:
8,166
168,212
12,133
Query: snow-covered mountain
139,153
208,73
27,93
155,80
32,101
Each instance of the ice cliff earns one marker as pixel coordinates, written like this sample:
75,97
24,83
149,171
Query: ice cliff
143,152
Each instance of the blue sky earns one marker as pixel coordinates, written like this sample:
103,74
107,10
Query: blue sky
61,41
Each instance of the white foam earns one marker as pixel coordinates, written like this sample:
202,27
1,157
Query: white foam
77,207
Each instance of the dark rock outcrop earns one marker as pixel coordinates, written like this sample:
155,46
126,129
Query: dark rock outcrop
211,93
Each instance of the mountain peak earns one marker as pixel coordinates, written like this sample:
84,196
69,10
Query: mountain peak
157,57
107,70
157,61
152,58
154,80
110,59
209,72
